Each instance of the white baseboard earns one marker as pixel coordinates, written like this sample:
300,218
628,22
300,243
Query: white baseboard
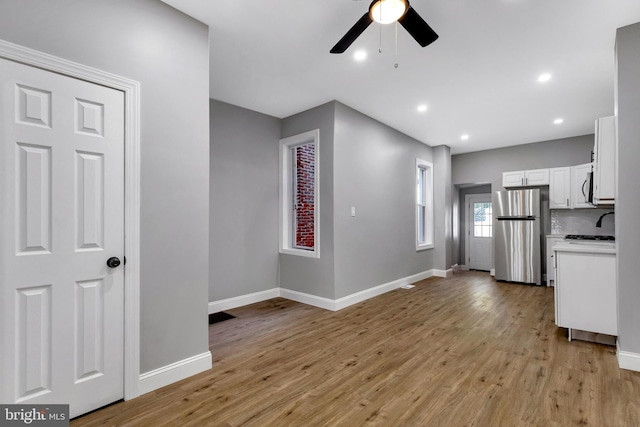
344,302
314,300
492,272
628,360
174,372
443,273
322,302
239,301
340,303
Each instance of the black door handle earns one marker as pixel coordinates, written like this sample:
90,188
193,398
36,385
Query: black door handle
113,262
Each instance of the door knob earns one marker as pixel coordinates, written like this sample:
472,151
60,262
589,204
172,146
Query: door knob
113,262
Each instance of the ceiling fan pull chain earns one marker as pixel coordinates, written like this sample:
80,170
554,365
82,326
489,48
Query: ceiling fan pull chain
380,46
396,65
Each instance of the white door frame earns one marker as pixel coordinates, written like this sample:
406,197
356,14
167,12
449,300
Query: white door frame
131,91
467,231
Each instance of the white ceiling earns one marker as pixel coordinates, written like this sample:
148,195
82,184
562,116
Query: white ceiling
479,77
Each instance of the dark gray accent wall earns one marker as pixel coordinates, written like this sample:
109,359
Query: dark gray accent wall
243,255
168,53
628,197
314,276
374,172
462,193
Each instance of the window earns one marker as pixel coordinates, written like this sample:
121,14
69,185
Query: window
424,205
299,195
482,216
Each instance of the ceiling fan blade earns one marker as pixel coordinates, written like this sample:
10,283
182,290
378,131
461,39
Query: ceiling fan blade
352,34
418,28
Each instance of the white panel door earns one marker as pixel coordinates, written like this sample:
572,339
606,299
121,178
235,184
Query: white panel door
61,218
479,231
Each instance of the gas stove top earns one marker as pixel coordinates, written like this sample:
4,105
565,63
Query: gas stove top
589,237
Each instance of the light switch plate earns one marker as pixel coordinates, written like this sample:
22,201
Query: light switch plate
353,211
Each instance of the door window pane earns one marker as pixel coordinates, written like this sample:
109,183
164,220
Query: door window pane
482,219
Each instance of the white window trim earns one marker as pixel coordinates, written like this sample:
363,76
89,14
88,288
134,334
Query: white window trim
285,196
428,196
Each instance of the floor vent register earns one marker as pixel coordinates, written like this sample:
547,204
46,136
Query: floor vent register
220,316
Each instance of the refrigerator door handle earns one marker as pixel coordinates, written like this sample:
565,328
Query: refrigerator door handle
517,218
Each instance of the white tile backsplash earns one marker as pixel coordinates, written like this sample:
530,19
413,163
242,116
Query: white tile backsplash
581,221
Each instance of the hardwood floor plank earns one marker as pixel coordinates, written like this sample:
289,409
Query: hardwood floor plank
464,351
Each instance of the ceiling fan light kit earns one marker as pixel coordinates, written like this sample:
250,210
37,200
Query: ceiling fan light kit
387,12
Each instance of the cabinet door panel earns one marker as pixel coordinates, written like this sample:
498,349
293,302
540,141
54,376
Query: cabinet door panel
513,179
580,186
605,161
560,188
537,177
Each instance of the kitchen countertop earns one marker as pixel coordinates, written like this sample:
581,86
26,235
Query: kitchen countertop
586,246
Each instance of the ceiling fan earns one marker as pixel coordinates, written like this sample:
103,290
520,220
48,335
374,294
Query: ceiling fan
386,12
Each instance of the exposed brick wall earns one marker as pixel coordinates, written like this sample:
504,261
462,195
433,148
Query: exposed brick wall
304,197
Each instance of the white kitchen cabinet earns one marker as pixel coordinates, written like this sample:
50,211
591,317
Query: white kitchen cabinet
560,188
551,259
513,179
604,161
569,187
528,178
580,186
585,288
536,177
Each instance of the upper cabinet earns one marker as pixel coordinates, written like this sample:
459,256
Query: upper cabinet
604,162
530,178
560,188
580,186
569,187
513,179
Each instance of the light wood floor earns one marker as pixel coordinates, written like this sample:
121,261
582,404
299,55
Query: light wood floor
466,351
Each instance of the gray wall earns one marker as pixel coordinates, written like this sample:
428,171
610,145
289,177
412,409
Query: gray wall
628,197
487,166
374,171
167,52
314,276
244,201
442,201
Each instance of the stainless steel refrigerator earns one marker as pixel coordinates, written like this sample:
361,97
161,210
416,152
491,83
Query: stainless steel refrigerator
517,236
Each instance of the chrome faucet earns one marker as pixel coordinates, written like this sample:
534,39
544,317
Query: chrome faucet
599,222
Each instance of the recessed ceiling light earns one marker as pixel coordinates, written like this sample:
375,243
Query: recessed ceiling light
464,137
422,108
360,55
542,78
558,121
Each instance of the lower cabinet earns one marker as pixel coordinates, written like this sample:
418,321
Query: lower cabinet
585,291
551,259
